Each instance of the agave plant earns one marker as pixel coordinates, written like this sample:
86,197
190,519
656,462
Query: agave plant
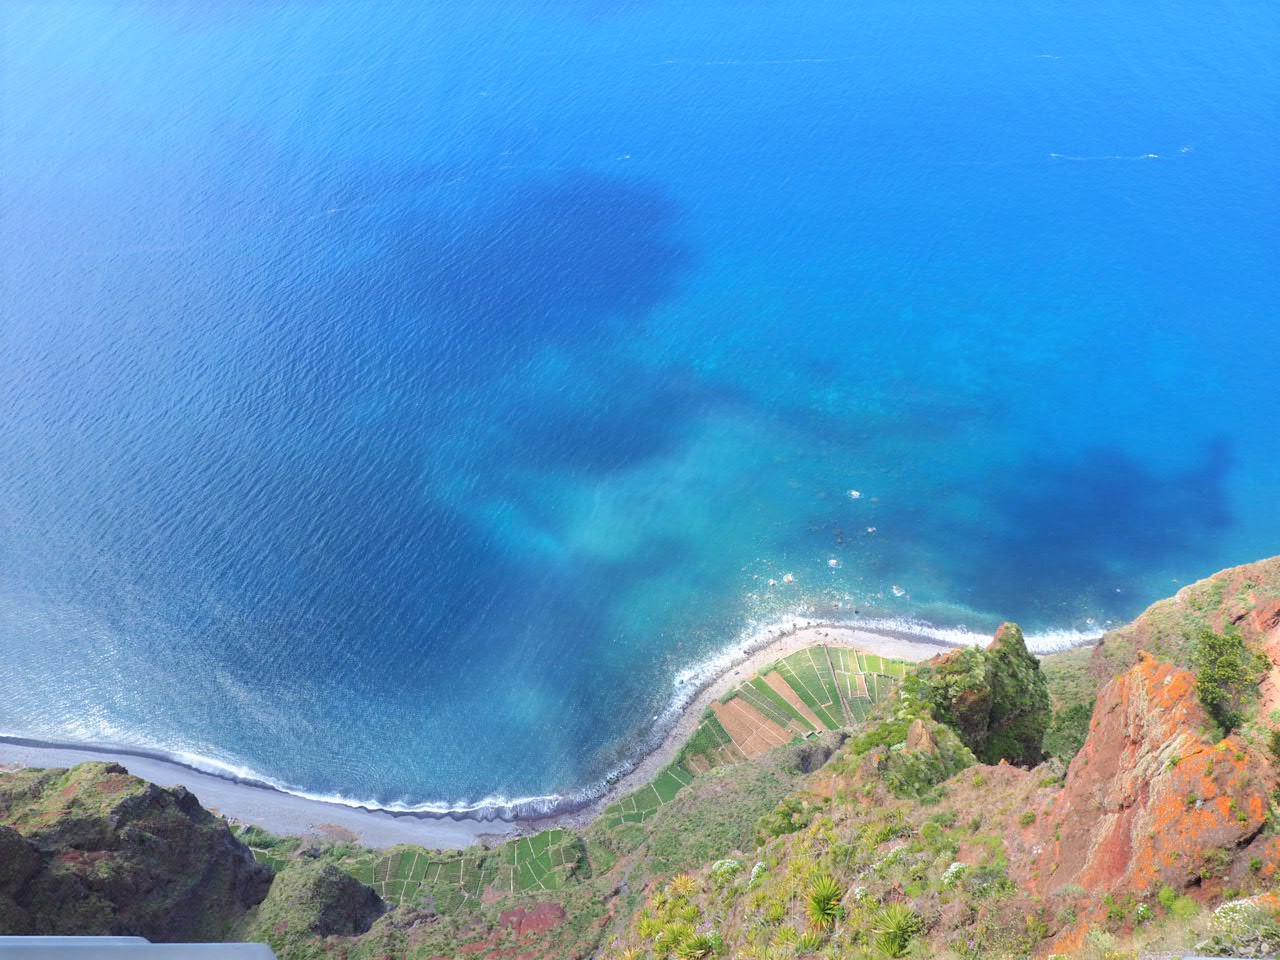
894,928
696,947
824,901
810,942
681,885
647,928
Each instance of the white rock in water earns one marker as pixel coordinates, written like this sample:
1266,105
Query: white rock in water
833,563
855,494
788,578
898,591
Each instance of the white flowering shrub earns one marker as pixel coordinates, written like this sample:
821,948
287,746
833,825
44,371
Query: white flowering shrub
954,874
723,871
1239,918
1242,928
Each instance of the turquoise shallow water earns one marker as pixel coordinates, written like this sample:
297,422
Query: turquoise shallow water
396,397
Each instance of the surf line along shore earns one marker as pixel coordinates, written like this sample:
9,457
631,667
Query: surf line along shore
260,804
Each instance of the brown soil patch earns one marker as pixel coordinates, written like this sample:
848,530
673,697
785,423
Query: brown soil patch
752,732
542,917
783,689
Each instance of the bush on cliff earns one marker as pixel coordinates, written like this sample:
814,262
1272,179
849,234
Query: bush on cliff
1227,675
996,699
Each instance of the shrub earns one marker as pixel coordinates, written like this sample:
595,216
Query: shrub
953,874
1027,819
723,871
786,936
810,942
790,815
1227,675
1243,929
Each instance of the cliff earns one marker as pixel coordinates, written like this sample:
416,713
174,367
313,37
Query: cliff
983,804
94,851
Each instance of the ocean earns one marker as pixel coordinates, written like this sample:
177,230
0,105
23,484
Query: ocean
397,399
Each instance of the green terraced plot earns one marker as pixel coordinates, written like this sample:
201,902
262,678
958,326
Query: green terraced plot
541,862
839,686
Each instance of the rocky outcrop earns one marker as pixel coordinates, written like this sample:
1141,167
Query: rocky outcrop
94,851
1149,802
996,699
908,757
1245,597
314,900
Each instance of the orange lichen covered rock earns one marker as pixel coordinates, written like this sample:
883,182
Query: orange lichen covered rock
1149,801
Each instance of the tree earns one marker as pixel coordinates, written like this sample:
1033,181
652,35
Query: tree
1227,675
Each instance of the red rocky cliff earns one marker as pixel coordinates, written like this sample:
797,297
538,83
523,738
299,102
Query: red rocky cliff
1149,801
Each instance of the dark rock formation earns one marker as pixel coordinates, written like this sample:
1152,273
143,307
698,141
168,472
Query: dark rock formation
117,855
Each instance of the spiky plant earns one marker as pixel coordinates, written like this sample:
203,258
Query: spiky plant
681,885
673,935
823,906
647,928
894,927
697,947
810,942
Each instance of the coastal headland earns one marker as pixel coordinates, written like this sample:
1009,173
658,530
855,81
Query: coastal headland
260,804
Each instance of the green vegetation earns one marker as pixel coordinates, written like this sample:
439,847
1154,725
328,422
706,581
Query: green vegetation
80,848
894,928
996,700
541,862
1073,691
1227,675
311,899
824,901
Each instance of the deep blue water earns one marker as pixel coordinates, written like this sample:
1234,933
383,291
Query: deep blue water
395,396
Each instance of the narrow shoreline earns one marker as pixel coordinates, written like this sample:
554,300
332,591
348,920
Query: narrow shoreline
251,801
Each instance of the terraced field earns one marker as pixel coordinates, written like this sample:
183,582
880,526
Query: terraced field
818,688
447,881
